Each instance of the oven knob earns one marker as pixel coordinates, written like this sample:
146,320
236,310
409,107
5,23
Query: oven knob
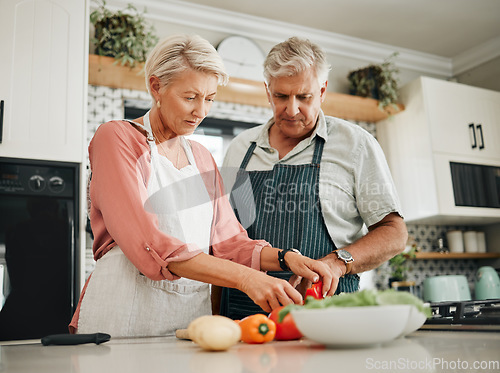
56,184
37,183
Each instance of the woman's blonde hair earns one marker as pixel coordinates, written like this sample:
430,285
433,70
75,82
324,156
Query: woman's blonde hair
180,52
293,56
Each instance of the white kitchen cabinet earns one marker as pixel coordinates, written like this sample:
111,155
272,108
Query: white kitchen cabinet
432,132
43,71
463,120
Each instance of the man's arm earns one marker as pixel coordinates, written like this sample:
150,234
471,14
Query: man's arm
384,240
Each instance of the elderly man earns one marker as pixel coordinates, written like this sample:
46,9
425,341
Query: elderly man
321,185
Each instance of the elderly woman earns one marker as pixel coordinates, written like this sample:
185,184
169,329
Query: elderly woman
163,229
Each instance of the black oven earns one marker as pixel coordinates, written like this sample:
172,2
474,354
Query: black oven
39,204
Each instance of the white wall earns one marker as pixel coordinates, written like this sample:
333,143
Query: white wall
486,75
344,53
341,65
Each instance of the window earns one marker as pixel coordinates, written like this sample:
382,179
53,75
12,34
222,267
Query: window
214,133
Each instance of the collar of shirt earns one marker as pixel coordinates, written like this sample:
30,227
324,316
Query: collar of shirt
321,130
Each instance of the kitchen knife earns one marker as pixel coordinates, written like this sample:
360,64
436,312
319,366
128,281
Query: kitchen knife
75,339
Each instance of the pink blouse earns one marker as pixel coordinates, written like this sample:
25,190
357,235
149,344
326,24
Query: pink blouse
120,164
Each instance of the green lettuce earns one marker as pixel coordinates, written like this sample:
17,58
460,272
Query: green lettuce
361,298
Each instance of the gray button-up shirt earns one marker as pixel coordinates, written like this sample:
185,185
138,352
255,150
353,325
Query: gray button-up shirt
355,185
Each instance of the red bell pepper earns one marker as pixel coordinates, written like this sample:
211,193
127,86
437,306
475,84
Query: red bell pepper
315,290
286,329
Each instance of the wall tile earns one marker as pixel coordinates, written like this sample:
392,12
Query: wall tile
425,237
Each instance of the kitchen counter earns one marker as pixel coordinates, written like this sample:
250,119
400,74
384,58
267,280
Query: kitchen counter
421,351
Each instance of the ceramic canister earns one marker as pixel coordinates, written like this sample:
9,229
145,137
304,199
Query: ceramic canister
470,242
455,241
481,242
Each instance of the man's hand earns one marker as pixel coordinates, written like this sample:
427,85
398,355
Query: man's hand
307,271
335,267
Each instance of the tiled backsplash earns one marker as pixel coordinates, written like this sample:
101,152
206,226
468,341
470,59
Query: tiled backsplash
105,104
426,237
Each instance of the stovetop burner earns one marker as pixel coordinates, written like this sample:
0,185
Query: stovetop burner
465,315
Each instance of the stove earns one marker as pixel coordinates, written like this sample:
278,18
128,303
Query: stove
474,315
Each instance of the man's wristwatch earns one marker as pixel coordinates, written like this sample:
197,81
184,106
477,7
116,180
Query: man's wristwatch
281,258
347,258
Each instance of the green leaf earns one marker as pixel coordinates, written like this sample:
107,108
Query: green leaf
363,298
378,78
124,35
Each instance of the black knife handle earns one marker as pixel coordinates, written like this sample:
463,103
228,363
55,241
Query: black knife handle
75,339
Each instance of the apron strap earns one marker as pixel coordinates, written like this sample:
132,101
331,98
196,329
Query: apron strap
142,129
318,150
149,137
316,160
248,155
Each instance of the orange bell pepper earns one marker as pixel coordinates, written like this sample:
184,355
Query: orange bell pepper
257,328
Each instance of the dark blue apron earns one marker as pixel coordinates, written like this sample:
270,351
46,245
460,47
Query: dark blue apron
288,215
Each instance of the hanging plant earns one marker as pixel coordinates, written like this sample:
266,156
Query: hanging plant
377,81
124,35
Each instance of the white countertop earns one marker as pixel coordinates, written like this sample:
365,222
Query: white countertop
422,351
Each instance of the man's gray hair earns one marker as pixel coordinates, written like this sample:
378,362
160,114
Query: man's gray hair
178,53
293,56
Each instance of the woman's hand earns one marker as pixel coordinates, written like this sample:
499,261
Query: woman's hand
268,292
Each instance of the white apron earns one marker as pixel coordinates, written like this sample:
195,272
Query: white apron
119,300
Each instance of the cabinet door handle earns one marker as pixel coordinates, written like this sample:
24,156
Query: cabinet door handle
472,131
1,121
480,129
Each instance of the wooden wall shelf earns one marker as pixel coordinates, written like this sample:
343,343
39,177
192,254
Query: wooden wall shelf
103,71
434,255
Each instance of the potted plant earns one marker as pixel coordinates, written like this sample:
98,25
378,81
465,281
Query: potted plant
377,81
399,269
124,35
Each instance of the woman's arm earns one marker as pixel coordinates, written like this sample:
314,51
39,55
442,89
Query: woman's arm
266,291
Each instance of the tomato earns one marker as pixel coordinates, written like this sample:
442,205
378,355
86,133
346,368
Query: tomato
285,330
315,290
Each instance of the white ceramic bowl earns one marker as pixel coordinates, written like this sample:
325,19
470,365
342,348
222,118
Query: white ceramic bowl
415,320
353,326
